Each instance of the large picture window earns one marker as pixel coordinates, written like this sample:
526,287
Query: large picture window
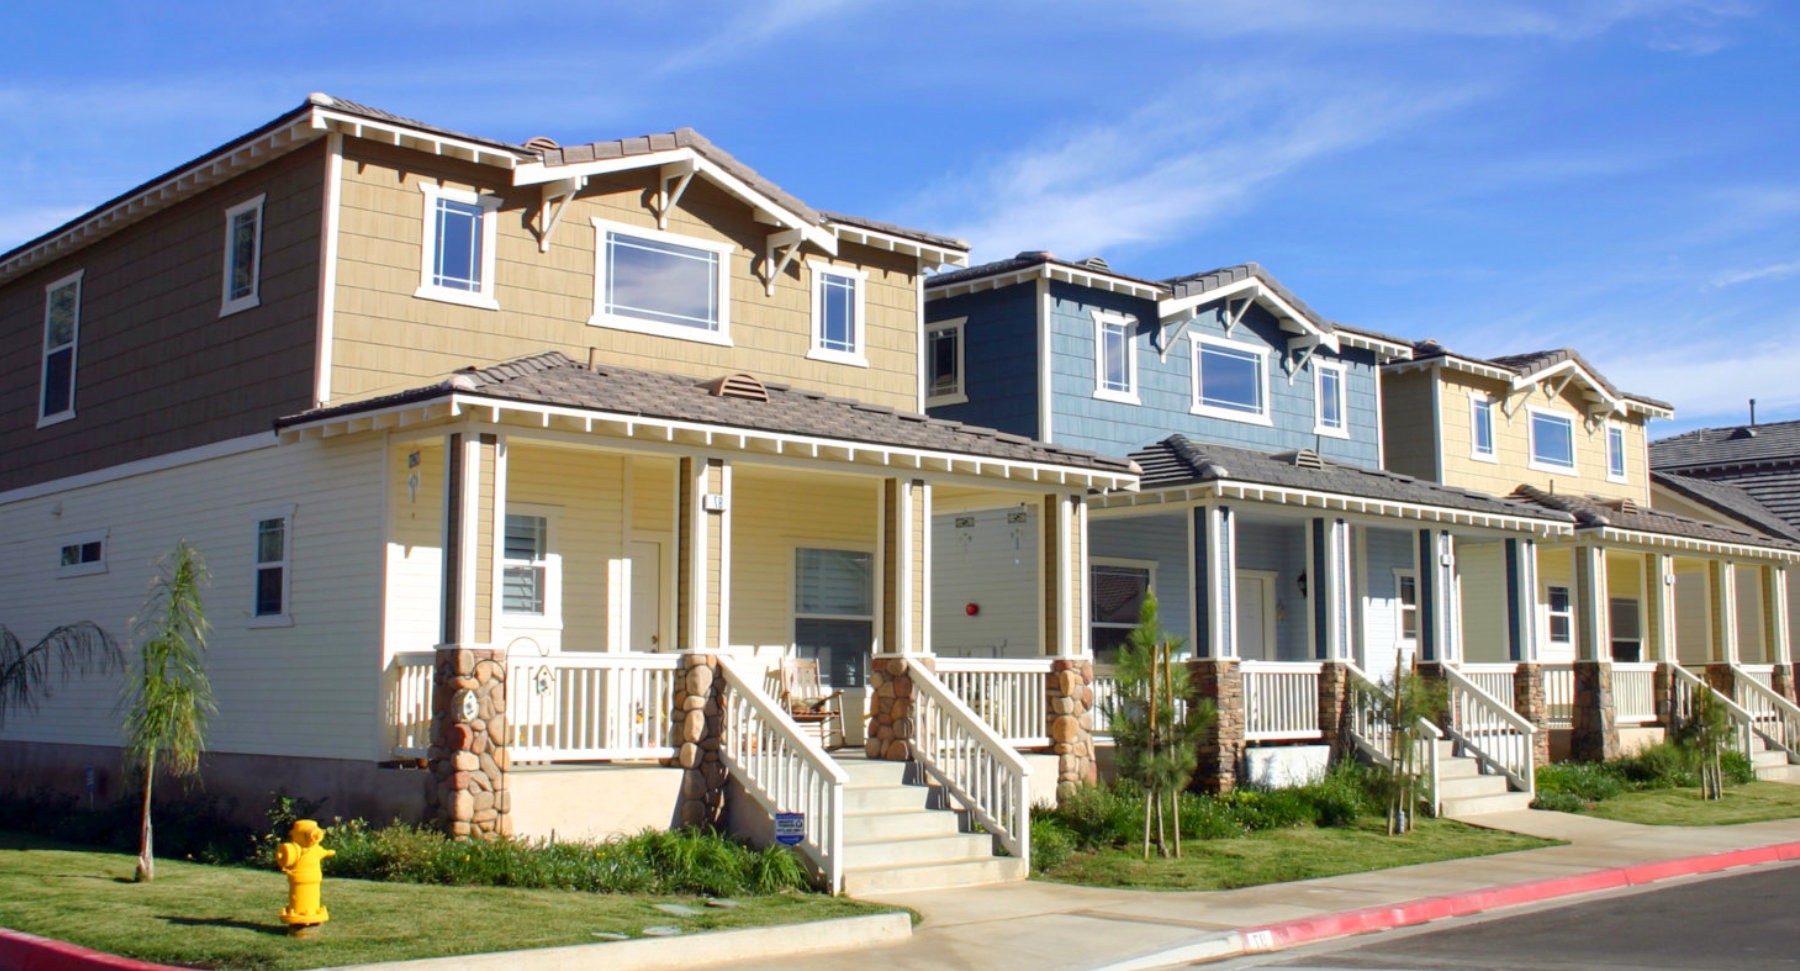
62,330
834,613
1552,442
1116,594
1231,380
457,261
661,283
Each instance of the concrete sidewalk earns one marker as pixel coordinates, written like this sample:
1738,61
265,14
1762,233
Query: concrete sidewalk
1046,926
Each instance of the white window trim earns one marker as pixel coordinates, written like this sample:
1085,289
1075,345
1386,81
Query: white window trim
428,248
1149,566
1197,407
1112,318
227,305
1551,613
285,513
795,615
721,337
551,618
81,539
960,395
1400,609
1531,439
44,351
1612,428
1343,396
1477,403
856,356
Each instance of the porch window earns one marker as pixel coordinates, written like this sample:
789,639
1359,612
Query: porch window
1615,453
834,613
1552,442
1627,632
1231,380
1481,429
1406,606
1562,615
272,576
458,256
944,363
661,283
1115,367
525,565
62,327
243,256
1330,396
1117,593
837,315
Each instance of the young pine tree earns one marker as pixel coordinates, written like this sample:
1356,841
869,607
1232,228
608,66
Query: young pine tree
1156,724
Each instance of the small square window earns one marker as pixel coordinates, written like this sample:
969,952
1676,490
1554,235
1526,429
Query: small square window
944,363
837,314
1331,416
62,331
81,554
1552,442
1231,380
1115,363
1615,453
243,257
458,255
1481,429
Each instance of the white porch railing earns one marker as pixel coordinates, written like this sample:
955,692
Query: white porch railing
1634,692
1491,731
1775,718
1685,687
1559,695
591,706
1495,679
408,713
1372,732
784,770
974,765
1010,694
1281,700
1106,694
1763,674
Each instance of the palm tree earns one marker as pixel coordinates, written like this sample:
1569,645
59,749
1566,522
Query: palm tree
168,698
74,649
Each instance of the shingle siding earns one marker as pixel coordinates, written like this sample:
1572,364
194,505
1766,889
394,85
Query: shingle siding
1000,358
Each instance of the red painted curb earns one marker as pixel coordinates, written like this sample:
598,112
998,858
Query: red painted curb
20,951
1305,930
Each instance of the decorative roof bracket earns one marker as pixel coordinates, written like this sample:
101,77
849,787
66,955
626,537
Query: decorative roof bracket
1235,316
1165,338
555,201
1307,346
778,252
676,174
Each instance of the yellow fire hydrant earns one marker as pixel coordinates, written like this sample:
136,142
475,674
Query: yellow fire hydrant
300,859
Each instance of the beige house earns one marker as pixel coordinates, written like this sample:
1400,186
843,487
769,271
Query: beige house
520,469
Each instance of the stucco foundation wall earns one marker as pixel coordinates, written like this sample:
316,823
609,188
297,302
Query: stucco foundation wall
592,802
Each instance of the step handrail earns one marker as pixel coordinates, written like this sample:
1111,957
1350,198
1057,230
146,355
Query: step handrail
1377,751
785,770
1746,722
1514,756
974,764
1773,708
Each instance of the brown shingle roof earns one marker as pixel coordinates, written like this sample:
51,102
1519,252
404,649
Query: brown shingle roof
1593,512
1730,499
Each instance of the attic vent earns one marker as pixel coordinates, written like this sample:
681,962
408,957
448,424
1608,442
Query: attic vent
1306,458
1035,254
1627,506
1739,434
541,143
1097,263
738,385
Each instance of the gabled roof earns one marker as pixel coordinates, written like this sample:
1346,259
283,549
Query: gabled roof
1722,448
1179,461
1524,370
1196,289
1038,264
553,379
1729,500
1592,512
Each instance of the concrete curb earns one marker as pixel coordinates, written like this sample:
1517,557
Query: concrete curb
1307,930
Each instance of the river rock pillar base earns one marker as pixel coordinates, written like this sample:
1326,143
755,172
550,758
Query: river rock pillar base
1220,682
1070,693
891,727
1593,733
1334,708
1782,680
468,796
699,717
1529,701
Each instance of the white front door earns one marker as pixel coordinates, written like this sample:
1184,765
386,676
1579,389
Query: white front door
646,596
1255,616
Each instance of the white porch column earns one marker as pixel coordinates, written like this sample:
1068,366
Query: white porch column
1328,556
1065,576
1438,626
905,567
471,522
1214,542
1775,614
1593,638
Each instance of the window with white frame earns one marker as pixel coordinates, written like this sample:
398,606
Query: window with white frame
1615,453
1481,428
944,362
1330,416
1116,591
834,613
458,256
1552,441
661,283
243,257
81,554
1231,380
837,314
1559,608
1115,364
1406,607
272,580
62,330
529,581
1624,621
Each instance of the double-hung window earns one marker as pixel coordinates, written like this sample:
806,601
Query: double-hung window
1331,410
944,362
1231,380
1116,591
62,329
1115,364
834,613
81,554
661,283
1615,453
457,262
1406,606
243,257
529,594
1559,608
272,579
1481,429
837,314
1552,442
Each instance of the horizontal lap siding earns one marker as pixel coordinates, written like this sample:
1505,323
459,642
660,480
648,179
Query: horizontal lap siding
1384,551
386,338
1162,540
1482,571
1409,424
415,548
585,491
1279,549
157,368
306,690
768,521
992,564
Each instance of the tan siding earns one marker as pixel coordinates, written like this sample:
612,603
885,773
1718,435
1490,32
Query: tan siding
1512,444
768,525
546,299
1406,424
583,491
684,558
890,566
157,368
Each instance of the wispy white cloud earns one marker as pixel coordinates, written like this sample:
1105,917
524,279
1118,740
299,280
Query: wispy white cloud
757,24
1677,24
1771,271
1709,382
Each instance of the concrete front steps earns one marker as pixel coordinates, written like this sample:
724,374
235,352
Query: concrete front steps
897,838
1464,791
1772,765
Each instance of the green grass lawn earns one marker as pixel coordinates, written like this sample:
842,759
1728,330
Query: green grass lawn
1278,855
225,917
1750,803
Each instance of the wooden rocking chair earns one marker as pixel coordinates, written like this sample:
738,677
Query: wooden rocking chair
806,700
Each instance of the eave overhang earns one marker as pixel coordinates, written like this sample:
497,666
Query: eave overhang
1176,312
1338,502
1056,272
1607,535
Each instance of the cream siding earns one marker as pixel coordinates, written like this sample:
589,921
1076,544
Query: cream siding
1512,443
992,564
1750,617
1481,569
415,547
770,524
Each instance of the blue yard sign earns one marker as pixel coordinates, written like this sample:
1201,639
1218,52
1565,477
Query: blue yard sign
790,828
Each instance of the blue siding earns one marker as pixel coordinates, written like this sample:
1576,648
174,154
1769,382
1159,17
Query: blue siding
1000,358
1162,540
1279,549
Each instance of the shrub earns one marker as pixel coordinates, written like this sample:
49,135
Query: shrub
1562,802
1269,808
1206,818
1052,843
1342,795
1585,781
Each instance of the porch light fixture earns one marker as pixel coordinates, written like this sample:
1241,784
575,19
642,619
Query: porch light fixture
1302,581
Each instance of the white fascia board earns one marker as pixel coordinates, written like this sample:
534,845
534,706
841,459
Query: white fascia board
1047,271
1646,408
406,136
1354,505
1167,309
1385,351
1173,306
926,252
1612,536
536,173
1524,381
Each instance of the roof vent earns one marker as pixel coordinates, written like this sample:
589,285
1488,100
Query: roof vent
1627,506
1035,254
1306,458
1739,434
1097,263
738,385
541,143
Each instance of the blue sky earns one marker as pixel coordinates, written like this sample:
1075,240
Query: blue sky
1622,176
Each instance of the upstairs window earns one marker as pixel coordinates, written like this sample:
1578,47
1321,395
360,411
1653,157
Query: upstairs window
1115,366
1552,442
837,314
243,257
1231,380
1330,417
458,256
1615,453
81,554
661,283
62,328
1481,429
834,613
273,555
944,363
